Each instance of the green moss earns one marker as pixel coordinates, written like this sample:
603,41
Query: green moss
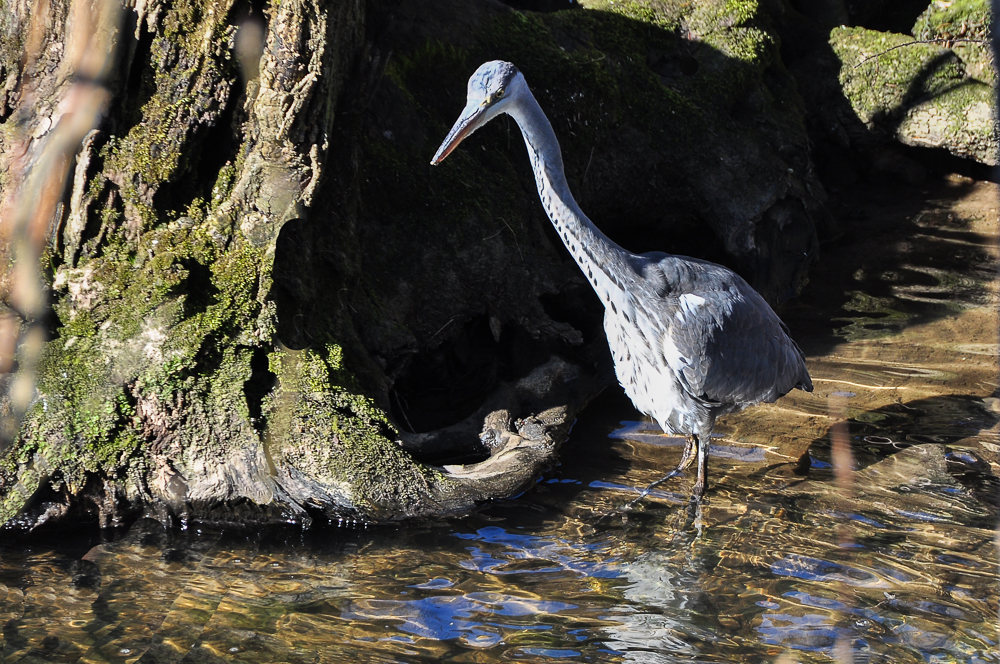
80,325
235,276
179,85
18,485
129,283
962,20
865,416
184,19
320,423
875,317
666,15
878,80
921,93
197,210
11,39
77,374
151,153
958,19
956,102
223,185
733,40
124,321
112,449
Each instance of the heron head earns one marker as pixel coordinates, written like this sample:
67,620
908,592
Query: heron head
492,89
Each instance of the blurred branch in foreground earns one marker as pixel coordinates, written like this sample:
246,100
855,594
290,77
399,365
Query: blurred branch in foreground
55,110
843,473
995,38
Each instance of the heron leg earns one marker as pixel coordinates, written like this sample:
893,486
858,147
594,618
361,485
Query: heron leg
702,482
687,456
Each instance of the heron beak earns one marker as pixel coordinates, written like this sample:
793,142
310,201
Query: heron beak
469,121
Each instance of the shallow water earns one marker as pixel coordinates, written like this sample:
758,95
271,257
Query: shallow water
896,561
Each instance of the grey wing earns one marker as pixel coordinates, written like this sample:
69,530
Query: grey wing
722,339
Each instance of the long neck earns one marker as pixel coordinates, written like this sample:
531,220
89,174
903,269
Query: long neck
603,262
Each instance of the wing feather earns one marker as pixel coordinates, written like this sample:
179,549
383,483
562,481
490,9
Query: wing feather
718,335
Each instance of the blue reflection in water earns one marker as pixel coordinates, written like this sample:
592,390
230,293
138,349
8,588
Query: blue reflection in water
936,609
434,584
923,639
951,559
486,619
563,556
551,652
895,574
814,569
860,518
924,516
655,494
812,631
462,617
818,602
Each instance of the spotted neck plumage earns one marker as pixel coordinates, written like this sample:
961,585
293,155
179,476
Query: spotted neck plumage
604,263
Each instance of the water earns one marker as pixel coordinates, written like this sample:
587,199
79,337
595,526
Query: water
785,561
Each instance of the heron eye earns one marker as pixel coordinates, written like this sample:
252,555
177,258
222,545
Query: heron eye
499,93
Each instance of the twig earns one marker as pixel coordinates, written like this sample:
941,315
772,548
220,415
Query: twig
403,405
450,321
587,169
516,243
921,41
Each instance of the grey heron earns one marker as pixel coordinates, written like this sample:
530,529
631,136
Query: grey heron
691,340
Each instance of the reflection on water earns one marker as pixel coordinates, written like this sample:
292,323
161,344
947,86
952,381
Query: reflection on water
898,564
762,572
